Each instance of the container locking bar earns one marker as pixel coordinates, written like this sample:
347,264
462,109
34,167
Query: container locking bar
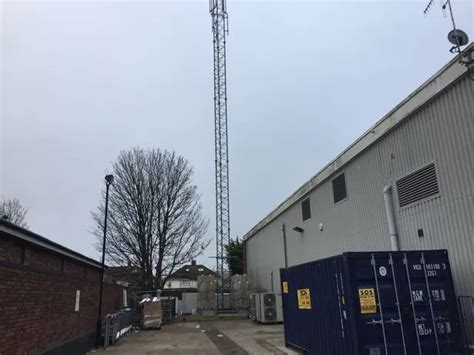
397,299
412,303
435,329
379,303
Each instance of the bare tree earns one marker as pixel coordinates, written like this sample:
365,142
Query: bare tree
13,211
155,218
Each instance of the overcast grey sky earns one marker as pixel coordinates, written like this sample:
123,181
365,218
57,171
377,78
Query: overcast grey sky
81,81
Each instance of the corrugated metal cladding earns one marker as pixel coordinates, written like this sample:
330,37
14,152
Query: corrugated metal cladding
441,133
373,303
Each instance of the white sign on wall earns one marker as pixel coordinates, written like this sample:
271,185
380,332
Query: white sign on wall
78,300
125,303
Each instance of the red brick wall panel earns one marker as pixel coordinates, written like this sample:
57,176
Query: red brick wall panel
73,268
113,298
10,251
93,274
42,259
37,301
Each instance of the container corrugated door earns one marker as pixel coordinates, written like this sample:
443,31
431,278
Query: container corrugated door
399,299
314,307
376,302
433,302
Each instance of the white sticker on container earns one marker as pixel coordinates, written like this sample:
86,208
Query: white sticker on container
382,271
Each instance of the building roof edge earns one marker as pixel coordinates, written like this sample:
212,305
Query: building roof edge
438,82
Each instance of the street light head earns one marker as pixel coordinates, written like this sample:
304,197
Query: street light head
109,179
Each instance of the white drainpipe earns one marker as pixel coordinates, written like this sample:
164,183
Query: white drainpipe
392,230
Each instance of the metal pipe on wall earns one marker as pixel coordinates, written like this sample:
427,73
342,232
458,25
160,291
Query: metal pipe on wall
392,228
285,251
271,279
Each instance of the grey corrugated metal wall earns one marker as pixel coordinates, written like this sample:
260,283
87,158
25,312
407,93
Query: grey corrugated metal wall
442,132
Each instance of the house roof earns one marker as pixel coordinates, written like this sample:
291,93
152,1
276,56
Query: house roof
18,232
444,78
191,272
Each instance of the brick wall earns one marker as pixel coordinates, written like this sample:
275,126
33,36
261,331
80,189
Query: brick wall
37,298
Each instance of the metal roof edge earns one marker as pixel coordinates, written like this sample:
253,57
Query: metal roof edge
36,239
442,79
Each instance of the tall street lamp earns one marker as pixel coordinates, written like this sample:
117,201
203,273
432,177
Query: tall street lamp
109,179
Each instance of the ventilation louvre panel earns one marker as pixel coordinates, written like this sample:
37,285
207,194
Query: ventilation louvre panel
417,186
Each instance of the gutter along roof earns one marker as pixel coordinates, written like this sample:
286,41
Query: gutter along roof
446,76
21,233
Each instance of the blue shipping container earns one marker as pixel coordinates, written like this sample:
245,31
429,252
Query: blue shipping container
372,303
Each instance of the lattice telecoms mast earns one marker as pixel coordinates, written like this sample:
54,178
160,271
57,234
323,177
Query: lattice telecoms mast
218,11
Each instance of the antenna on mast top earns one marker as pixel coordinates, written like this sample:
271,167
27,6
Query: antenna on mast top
428,7
458,38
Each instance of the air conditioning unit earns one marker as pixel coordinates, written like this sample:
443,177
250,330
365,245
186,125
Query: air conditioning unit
268,308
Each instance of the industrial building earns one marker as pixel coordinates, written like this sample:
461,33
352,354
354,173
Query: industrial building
407,183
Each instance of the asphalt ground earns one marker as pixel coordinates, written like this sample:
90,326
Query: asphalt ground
206,337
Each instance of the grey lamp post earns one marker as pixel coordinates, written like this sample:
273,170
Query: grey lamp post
109,179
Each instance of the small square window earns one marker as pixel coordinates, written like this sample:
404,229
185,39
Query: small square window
306,209
339,188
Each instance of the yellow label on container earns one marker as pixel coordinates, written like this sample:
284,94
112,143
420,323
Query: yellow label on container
304,298
367,301
285,287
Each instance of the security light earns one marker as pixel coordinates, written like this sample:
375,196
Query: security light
298,229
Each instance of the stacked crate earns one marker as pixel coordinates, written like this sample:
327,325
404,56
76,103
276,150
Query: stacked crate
206,289
240,292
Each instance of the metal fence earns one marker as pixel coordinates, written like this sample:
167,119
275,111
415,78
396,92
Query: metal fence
168,308
116,325
206,289
466,306
240,293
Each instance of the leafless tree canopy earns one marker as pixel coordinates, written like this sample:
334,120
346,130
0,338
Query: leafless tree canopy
13,211
155,221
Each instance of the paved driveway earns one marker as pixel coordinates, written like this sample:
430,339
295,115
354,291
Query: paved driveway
208,337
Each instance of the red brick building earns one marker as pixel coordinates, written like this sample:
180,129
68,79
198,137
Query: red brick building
49,295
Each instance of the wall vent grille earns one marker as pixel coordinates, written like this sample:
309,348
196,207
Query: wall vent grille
417,186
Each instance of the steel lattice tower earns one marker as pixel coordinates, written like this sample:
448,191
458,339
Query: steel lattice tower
218,11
